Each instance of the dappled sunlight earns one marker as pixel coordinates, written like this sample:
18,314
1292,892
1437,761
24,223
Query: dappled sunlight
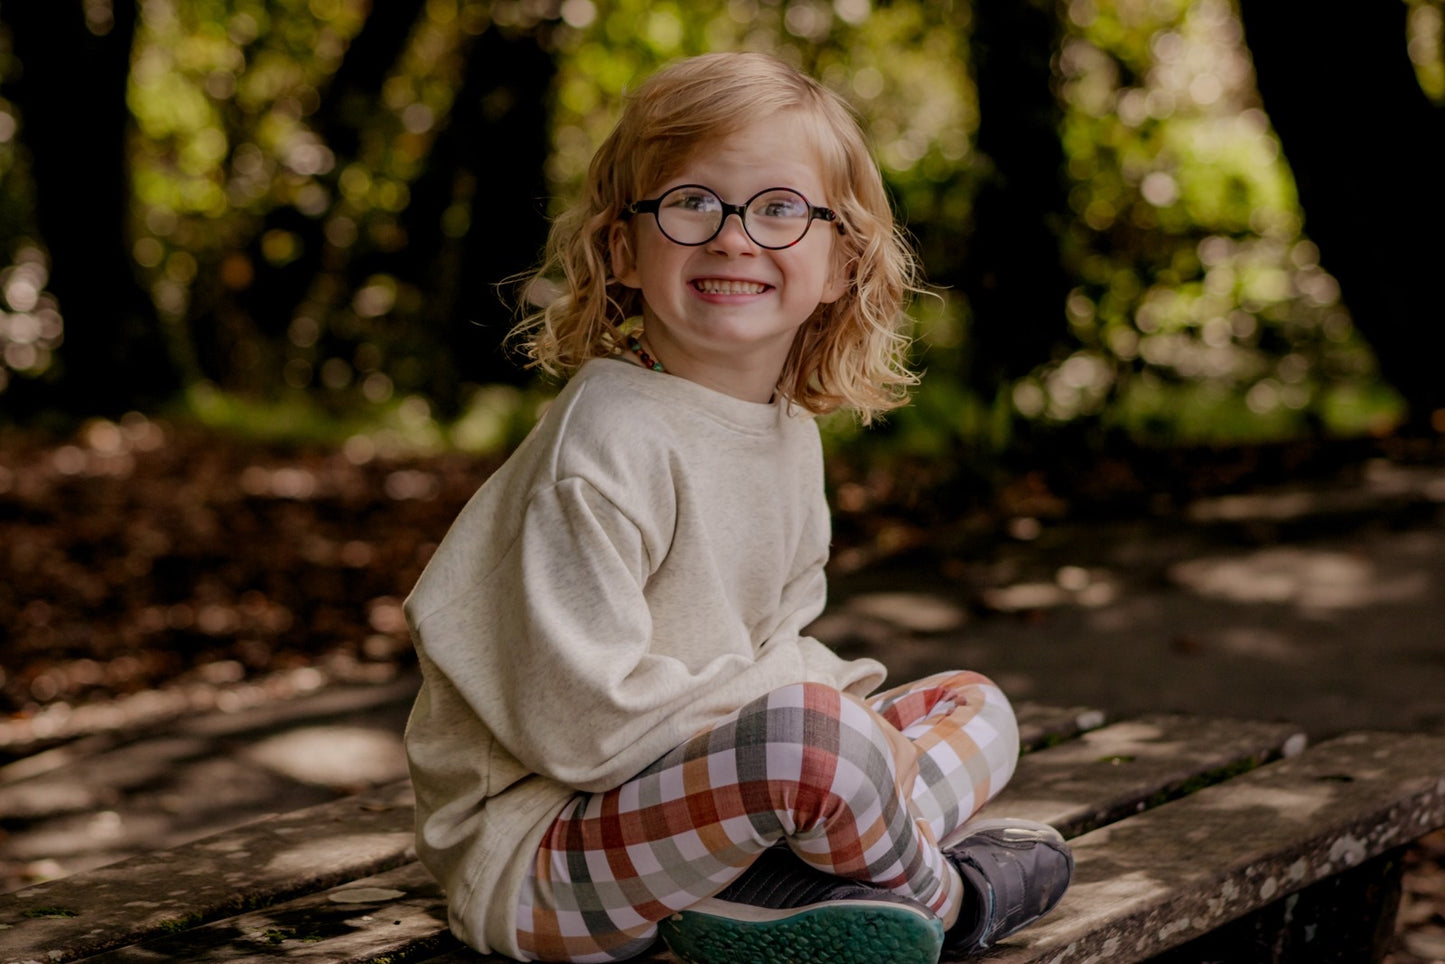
1136,885
32,797
31,330
1295,802
1425,40
911,611
1071,586
1257,642
1310,579
87,838
333,756
1380,481
307,853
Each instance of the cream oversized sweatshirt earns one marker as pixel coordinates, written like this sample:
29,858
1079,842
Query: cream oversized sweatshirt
643,565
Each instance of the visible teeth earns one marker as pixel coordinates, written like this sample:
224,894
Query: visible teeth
717,286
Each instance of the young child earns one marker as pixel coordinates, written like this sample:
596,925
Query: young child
622,727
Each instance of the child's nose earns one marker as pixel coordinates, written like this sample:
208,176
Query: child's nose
733,236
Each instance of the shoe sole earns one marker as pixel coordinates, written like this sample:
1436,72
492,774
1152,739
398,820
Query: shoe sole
837,932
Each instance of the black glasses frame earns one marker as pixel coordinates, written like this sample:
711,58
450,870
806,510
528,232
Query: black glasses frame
653,207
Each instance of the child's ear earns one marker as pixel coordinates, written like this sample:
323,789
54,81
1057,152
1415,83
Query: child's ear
619,246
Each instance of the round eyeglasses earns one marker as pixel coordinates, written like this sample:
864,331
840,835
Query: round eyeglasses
691,214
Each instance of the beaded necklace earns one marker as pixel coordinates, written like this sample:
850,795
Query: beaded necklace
647,360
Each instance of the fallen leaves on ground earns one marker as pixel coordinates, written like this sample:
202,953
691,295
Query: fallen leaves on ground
139,557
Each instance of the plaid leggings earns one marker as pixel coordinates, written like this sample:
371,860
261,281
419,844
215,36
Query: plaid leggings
865,791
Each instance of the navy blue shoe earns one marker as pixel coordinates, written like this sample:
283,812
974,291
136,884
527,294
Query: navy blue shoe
1014,872
782,911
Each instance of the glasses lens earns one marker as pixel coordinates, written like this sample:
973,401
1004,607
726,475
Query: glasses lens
778,218
689,214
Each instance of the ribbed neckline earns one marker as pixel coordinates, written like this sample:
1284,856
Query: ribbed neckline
675,390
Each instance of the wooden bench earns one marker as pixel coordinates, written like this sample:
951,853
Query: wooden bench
1196,840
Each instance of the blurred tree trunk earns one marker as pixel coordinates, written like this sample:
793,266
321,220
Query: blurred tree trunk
72,98
491,160
1367,149
1013,273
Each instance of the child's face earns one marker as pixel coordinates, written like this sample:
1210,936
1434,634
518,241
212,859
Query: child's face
724,313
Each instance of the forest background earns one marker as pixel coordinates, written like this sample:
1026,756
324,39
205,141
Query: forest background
1154,228
253,299
1171,221
254,263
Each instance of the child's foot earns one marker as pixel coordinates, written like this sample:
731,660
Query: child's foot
781,911
1014,872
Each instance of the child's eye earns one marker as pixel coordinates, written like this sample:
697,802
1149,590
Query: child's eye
780,206
693,201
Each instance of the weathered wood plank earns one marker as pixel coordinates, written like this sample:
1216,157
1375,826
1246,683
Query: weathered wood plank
1109,773
268,862
1041,725
398,915
1162,877
1076,784
258,864
1346,919
1146,883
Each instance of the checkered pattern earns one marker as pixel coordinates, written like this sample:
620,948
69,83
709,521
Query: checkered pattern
861,791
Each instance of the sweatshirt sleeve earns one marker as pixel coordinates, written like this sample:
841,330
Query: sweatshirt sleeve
555,654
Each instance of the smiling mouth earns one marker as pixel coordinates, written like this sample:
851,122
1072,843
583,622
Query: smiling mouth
719,286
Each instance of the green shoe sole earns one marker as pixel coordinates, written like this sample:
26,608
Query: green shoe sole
837,932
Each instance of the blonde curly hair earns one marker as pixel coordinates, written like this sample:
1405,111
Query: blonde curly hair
851,353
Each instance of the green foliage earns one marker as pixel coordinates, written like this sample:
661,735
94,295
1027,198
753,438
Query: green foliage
1426,43
494,420
260,166
220,91
903,66
1201,309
